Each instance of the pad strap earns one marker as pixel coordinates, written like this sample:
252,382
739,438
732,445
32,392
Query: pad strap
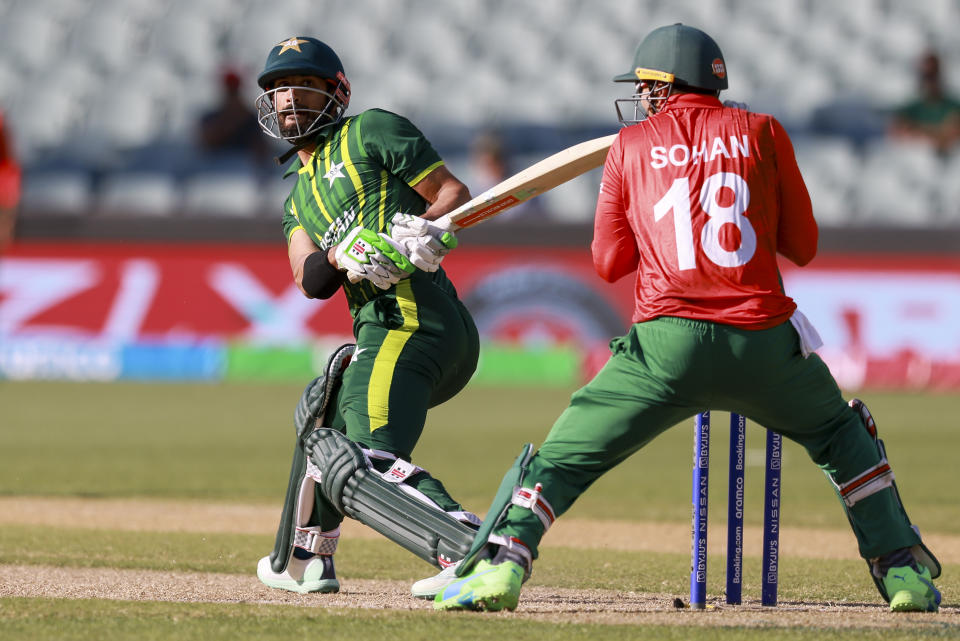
874,479
517,548
534,501
313,471
401,470
312,539
359,491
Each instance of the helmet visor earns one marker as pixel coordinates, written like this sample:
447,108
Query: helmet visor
293,113
648,99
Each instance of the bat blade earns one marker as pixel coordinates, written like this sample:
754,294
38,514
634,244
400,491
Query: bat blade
534,180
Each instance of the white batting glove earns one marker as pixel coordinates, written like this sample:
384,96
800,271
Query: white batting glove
425,243
367,255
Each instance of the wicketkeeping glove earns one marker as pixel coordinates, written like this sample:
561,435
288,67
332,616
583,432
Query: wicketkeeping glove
367,255
425,243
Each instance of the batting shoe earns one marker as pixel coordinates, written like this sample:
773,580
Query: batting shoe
315,574
431,586
487,587
910,590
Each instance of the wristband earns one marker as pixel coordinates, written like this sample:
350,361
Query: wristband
320,278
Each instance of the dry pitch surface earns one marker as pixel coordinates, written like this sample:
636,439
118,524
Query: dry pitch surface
537,602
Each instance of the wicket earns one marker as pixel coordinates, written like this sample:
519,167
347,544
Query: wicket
735,508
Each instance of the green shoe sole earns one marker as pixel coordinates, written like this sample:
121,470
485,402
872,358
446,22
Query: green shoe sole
907,601
911,590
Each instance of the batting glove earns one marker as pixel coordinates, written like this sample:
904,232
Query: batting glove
425,243
367,255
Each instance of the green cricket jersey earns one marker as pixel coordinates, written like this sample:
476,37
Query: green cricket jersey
362,173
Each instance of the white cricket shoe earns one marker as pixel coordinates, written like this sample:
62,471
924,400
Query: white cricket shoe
431,586
302,575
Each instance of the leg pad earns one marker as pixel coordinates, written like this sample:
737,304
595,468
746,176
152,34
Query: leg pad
314,407
351,484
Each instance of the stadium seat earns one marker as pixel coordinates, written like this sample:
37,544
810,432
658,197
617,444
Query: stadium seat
825,163
228,195
77,77
262,28
60,114
177,36
128,75
19,35
833,201
349,27
58,192
125,115
828,155
9,82
948,193
107,38
575,201
130,193
886,196
916,163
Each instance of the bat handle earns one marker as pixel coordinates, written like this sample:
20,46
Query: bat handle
446,223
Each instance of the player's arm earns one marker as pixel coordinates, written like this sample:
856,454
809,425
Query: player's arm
315,271
443,191
422,242
797,229
362,255
402,149
614,244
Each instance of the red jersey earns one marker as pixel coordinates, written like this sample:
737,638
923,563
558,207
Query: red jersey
9,172
696,201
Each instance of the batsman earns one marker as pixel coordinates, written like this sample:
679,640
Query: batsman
696,201
364,190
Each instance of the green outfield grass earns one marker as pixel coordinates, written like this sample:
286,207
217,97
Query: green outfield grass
99,620
375,559
232,443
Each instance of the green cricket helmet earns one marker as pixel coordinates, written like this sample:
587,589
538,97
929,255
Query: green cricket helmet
676,55
301,56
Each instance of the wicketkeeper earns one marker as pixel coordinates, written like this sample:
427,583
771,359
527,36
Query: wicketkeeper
696,202
364,191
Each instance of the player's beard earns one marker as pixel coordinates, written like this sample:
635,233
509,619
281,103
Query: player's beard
291,126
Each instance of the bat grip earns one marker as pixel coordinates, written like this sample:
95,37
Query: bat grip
446,223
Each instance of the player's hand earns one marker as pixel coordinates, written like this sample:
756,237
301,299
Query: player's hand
733,104
367,255
424,242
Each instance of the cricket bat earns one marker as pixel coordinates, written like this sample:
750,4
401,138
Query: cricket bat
534,180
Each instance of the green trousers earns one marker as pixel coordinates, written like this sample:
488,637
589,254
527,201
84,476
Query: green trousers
416,348
667,370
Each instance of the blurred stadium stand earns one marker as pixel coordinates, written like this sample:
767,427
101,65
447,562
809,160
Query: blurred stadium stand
103,95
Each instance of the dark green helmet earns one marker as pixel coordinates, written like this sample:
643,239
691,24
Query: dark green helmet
303,56
680,55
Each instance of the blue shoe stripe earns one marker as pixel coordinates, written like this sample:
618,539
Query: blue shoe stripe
936,593
454,588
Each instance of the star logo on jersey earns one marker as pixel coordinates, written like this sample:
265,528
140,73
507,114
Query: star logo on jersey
334,173
291,43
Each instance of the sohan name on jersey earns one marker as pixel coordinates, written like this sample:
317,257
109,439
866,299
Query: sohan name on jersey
680,155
